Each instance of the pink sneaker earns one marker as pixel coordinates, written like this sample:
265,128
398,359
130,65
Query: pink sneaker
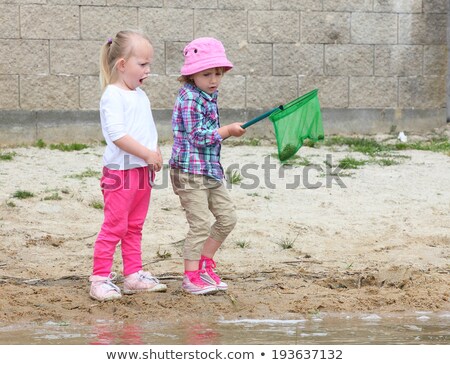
142,281
193,283
208,265
103,289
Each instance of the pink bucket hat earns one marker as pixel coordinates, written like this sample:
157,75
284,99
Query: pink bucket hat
202,54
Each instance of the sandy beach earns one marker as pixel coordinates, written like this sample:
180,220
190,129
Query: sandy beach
309,239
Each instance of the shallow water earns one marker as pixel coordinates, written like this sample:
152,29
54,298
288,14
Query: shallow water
414,328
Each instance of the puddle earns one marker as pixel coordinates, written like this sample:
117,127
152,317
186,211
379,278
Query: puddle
415,328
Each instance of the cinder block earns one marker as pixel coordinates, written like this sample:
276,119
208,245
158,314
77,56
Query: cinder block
229,26
373,92
75,57
49,22
162,91
191,4
232,92
273,26
90,92
303,5
269,92
158,65
250,58
49,92
137,3
347,5
9,25
298,59
348,60
24,57
398,6
9,92
398,60
167,24
246,5
435,60
102,23
422,29
435,6
422,92
174,57
374,28
333,90
325,27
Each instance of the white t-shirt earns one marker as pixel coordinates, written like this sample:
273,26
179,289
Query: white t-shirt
125,112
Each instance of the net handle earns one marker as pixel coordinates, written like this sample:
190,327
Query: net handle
261,117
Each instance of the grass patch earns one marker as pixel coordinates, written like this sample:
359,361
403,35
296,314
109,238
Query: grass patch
287,243
40,144
23,194
69,147
8,156
234,177
54,196
386,162
242,244
363,145
351,163
163,255
96,204
437,144
371,147
87,173
244,142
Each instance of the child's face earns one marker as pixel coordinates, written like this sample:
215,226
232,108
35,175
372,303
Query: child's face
208,80
136,68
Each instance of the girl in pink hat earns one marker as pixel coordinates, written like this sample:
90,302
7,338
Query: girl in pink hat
196,173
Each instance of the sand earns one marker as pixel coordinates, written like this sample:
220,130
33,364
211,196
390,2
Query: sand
374,240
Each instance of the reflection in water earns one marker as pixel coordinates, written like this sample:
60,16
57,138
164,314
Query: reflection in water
415,328
200,334
127,334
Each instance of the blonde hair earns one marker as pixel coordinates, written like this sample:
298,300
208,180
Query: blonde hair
121,46
188,78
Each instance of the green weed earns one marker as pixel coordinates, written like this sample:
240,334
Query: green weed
8,156
40,144
351,163
23,194
68,147
163,255
96,204
287,243
234,177
243,243
87,173
54,196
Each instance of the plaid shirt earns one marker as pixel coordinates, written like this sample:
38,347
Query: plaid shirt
197,143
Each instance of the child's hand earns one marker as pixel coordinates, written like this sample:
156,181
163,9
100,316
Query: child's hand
154,160
235,129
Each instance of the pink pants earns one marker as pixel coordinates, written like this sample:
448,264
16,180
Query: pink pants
126,194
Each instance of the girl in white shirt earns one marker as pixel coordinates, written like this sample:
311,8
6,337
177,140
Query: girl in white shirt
130,161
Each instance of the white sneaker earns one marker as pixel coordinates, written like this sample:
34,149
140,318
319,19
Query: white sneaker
103,289
142,281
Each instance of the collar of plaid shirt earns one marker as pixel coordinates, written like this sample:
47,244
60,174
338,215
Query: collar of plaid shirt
197,143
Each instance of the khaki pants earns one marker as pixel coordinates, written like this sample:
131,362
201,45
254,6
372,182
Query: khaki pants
199,195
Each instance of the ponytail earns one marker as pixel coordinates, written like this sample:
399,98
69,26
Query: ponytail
105,69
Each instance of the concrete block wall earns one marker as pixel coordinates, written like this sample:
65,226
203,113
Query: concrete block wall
378,64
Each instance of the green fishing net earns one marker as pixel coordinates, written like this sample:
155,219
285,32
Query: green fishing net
296,121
